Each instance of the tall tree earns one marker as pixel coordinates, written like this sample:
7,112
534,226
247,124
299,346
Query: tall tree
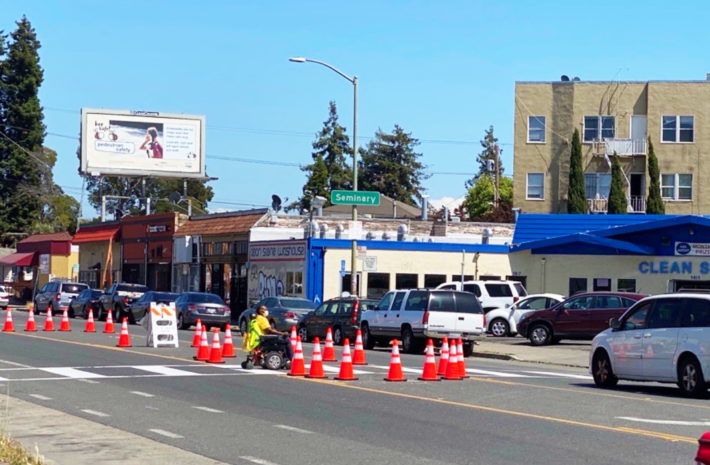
654,204
617,192
489,144
576,195
479,198
391,166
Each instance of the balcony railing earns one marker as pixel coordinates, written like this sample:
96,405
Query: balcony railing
601,205
625,147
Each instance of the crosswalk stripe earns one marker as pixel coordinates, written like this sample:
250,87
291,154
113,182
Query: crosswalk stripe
72,373
561,375
498,374
331,369
163,370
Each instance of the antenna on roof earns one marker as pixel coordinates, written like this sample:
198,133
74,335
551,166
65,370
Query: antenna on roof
276,202
564,78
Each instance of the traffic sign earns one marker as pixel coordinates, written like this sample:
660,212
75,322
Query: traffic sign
342,266
355,198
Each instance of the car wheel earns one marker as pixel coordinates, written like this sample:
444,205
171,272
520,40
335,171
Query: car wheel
103,314
409,344
368,341
690,378
468,349
182,324
540,335
303,332
337,336
243,327
117,315
500,327
602,372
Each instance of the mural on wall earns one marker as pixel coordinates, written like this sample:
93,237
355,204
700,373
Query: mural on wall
269,279
270,266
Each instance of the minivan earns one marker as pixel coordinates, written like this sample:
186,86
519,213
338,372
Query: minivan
57,295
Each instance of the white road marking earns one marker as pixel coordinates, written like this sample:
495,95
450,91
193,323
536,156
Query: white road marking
98,414
561,375
330,369
257,460
259,371
40,397
295,430
144,394
207,409
499,374
88,381
666,422
72,373
167,434
163,370
405,370
15,364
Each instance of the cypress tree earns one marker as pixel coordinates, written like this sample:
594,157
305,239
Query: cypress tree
576,195
617,193
654,204
317,184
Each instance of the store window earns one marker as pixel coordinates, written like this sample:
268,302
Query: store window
345,284
294,282
433,280
626,285
378,284
577,285
602,284
406,281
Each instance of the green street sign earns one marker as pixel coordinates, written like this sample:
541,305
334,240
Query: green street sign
355,198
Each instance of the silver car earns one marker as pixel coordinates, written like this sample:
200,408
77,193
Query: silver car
284,312
57,295
5,294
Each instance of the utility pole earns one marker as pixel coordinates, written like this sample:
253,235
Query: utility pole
496,173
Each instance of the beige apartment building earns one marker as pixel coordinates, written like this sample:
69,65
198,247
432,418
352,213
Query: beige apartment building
612,117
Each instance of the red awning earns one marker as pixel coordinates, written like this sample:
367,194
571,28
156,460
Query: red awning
92,235
18,259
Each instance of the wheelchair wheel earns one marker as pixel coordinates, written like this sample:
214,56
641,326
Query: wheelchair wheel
273,361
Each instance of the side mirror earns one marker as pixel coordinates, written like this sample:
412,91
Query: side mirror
615,324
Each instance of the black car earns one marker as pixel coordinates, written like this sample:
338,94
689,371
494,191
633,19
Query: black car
87,300
342,315
141,306
209,308
118,298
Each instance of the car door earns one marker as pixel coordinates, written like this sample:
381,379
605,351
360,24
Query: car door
42,296
660,339
526,306
605,308
374,317
414,307
315,321
571,319
627,342
390,318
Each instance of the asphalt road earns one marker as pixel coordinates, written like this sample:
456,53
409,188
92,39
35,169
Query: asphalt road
506,413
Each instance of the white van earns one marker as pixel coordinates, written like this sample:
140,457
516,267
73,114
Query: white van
492,294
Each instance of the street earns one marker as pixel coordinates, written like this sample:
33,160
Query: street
506,413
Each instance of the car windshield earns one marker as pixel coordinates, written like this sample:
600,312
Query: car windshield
205,299
132,288
298,304
74,288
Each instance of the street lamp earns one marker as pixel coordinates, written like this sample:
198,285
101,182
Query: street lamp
353,80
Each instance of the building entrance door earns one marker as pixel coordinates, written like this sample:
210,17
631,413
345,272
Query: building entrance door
637,192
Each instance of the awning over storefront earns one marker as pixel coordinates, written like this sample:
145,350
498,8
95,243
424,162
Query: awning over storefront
19,259
92,235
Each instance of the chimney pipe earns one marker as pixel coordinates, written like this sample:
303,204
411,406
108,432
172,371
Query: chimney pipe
425,208
394,209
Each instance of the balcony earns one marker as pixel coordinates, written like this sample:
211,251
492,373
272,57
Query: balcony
625,147
601,205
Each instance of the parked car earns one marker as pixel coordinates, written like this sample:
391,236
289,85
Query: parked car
87,300
284,312
664,338
504,321
209,308
491,294
5,294
341,314
582,316
57,295
417,314
118,298
141,306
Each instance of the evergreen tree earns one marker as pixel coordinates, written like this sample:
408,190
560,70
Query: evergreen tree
654,204
617,193
479,198
576,195
390,165
489,144
317,184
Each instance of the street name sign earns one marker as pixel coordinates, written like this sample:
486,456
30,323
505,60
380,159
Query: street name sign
355,198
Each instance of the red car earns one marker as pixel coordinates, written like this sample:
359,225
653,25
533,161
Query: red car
582,316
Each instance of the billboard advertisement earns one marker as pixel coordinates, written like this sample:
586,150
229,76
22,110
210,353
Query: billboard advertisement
139,143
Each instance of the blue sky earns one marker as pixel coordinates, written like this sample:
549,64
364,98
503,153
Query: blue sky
444,71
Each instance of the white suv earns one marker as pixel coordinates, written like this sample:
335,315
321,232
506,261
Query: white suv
664,338
4,297
417,314
492,294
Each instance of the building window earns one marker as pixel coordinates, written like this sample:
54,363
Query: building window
433,280
241,247
378,284
598,128
294,282
678,129
406,281
597,185
536,129
677,186
577,285
602,284
626,285
536,186
345,283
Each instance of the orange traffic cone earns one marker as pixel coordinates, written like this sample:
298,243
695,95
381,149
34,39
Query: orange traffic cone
108,327
316,370
64,325
329,350
359,354
452,368
429,373
298,366
444,358
346,365
203,351
462,363
198,334
48,322
228,350
124,340
294,338
31,325
9,325
90,325
216,352
395,373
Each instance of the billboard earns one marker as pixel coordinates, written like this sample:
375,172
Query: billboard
140,143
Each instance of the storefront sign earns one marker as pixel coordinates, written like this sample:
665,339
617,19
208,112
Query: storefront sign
369,263
44,263
277,251
673,267
158,228
692,248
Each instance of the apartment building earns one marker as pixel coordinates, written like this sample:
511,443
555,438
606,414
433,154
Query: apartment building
612,117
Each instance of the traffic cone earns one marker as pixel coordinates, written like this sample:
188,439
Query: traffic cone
462,363
429,372
31,325
198,334
9,325
444,358
395,373
216,352
329,350
203,350
124,340
359,354
298,365
294,338
316,370
228,349
346,365
108,327
64,325
452,368
90,326
48,322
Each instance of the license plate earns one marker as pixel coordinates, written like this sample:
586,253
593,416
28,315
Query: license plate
211,310
454,335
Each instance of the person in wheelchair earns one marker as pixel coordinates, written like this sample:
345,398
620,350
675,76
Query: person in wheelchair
260,329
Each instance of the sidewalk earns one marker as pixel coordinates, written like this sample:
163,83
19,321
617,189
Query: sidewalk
571,354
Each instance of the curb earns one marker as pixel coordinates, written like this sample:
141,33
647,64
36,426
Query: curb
513,358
